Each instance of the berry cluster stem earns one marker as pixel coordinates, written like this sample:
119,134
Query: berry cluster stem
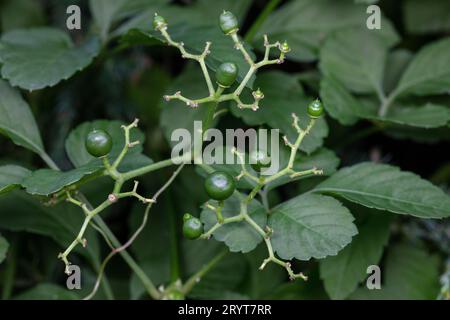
213,96
262,181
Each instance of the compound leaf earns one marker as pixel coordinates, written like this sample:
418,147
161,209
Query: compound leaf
400,281
11,177
4,245
16,120
311,226
342,273
429,71
41,57
386,187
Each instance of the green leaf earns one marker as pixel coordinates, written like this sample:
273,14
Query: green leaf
386,187
410,273
339,103
284,96
342,273
426,16
41,57
427,116
358,67
4,245
220,281
17,122
45,182
11,177
107,12
194,39
151,247
198,13
419,135
311,226
305,23
238,236
78,155
345,108
47,291
21,212
396,63
17,14
429,71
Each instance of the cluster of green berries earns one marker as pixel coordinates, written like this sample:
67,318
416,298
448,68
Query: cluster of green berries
219,186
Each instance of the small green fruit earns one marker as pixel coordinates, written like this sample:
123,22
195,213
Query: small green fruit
226,74
228,22
259,160
315,109
98,143
258,94
158,22
219,185
284,47
192,227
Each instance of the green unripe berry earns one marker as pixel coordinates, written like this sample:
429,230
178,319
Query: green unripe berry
219,185
228,22
284,47
258,94
192,227
259,160
158,22
315,109
98,143
226,74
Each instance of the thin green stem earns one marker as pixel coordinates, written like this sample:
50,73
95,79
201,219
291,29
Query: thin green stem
174,254
247,78
211,110
194,279
260,20
156,166
386,103
121,248
10,271
207,77
209,233
220,217
255,190
106,287
49,161
148,284
264,194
